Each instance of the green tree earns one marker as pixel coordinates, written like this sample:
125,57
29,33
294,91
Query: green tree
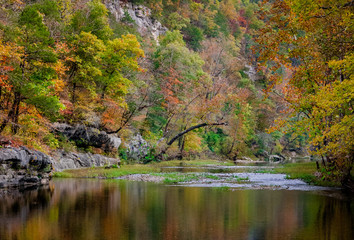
33,78
94,19
194,37
84,68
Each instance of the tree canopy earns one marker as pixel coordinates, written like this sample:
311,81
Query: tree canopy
214,83
312,42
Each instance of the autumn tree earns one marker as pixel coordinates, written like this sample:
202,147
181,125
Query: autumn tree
120,58
92,18
97,67
192,99
313,41
234,93
33,78
8,57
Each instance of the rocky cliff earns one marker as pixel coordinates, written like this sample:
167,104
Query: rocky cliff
23,167
87,136
70,160
141,15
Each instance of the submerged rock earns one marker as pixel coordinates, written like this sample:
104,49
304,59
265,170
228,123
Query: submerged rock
24,167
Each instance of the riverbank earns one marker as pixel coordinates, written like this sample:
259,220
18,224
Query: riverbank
128,169
190,171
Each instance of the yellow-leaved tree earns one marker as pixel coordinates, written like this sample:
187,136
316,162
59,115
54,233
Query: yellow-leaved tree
313,40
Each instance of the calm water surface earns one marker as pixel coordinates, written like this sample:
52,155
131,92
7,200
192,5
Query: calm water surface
111,209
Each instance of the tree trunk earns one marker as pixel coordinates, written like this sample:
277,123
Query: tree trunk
191,129
103,92
73,97
13,113
15,126
160,156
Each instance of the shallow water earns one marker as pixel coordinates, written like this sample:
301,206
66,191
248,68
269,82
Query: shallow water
115,209
257,181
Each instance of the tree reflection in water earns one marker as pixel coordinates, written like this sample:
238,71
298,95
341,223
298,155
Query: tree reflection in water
103,209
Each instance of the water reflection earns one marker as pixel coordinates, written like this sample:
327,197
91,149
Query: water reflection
100,209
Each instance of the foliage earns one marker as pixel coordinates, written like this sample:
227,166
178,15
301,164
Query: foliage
71,61
176,21
194,37
312,43
33,77
94,19
50,69
215,140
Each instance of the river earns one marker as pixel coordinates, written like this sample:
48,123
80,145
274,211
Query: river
115,209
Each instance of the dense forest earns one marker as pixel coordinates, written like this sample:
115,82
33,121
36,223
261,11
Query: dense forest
227,78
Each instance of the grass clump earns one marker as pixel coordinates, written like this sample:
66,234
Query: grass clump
241,179
174,178
304,171
210,176
107,173
265,171
296,170
61,175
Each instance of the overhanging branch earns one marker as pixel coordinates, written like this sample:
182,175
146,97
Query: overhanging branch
192,128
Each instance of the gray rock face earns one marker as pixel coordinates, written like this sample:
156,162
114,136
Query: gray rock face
141,16
69,160
252,72
21,167
87,136
138,148
276,158
24,167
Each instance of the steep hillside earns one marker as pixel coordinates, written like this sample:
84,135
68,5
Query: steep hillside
180,76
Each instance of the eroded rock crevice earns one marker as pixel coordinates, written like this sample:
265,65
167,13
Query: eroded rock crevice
141,15
24,167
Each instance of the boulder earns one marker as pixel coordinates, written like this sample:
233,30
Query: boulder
22,157
87,136
138,148
276,158
70,160
24,167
